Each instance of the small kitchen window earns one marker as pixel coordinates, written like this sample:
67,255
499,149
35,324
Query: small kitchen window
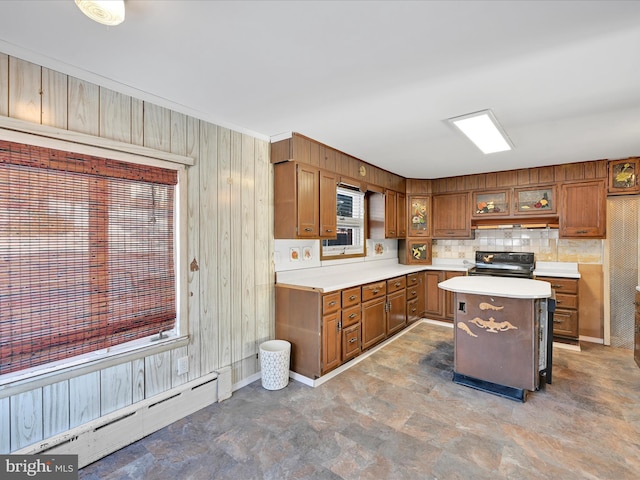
350,231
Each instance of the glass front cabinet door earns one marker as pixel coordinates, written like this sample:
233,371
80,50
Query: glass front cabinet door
535,201
419,216
491,204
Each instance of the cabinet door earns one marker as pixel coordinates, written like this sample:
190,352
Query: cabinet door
328,211
583,211
351,341
373,322
396,311
390,213
308,202
449,297
451,216
401,215
331,342
434,299
538,201
623,176
419,216
491,204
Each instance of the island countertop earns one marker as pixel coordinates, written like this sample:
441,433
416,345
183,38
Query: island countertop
498,286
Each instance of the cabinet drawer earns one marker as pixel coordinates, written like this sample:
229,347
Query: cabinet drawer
350,316
350,297
351,342
562,285
330,303
566,301
395,284
412,310
412,292
412,280
565,323
373,290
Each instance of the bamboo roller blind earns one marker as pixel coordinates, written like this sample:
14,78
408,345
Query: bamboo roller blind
86,254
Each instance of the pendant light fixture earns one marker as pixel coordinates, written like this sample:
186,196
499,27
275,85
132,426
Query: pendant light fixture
106,12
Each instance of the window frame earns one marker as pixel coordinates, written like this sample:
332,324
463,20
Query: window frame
48,137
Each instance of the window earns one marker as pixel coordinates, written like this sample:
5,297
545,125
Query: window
86,254
350,225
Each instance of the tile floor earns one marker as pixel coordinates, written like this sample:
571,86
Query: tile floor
398,415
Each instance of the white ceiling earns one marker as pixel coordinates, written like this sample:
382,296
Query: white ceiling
376,80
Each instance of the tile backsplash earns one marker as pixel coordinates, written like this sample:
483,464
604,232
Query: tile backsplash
544,243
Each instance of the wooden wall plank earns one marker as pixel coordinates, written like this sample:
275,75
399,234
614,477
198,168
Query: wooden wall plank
223,218
4,96
193,247
84,398
137,121
26,418
209,238
157,127
263,218
55,408
116,388
247,339
5,429
238,218
157,373
83,107
115,115
54,98
25,84
178,138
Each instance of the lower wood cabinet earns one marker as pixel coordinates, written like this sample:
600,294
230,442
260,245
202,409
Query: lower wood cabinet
416,292
327,330
565,319
439,304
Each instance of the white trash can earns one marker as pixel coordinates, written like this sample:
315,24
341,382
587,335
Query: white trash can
274,364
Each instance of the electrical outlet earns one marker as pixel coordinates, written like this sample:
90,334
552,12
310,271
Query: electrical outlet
183,365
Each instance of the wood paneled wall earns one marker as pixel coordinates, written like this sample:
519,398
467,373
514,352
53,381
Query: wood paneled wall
229,243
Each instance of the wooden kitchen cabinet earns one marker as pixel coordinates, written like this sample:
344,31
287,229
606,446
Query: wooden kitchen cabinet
414,251
451,215
419,216
401,215
623,176
539,201
374,300
565,318
491,204
331,341
392,223
439,304
396,305
583,209
304,201
415,296
434,297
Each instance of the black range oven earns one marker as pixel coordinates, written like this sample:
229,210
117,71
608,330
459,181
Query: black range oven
504,264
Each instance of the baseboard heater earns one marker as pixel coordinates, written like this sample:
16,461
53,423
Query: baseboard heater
105,435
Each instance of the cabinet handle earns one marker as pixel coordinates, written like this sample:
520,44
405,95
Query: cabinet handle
353,340
413,292
397,284
352,297
581,231
375,291
558,302
556,286
413,310
391,232
308,229
353,315
329,230
331,304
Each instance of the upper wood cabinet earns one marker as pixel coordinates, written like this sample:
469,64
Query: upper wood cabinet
491,204
393,222
419,216
539,200
304,199
583,210
451,215
623,176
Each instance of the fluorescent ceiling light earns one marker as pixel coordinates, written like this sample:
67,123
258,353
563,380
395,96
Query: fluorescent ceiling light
484,131
107,12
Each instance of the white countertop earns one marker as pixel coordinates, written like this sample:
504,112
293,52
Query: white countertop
331,278
556,269
498,286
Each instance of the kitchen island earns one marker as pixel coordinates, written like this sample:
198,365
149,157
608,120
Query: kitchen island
501,334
